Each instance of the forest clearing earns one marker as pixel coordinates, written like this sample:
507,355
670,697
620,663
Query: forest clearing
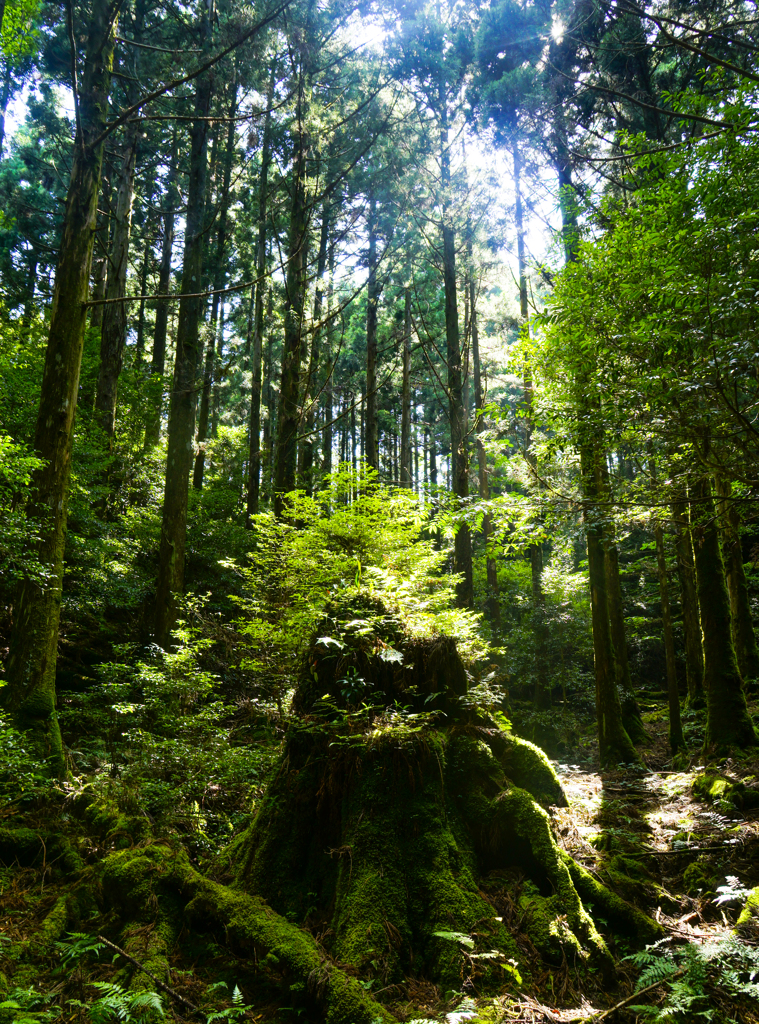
379,560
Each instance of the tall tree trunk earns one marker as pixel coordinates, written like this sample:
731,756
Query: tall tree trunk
542,697
456,411
268,430
494,604
694,654
371,418
29,693
614,745
254,435
139,350
744,638
211,329
308,445
219,279
31,281
631,715
296,278
676,740
728,723
406,477
327,439
416,482
114,331
158,360
170,583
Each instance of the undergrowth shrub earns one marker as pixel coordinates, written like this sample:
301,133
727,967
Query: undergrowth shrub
157,737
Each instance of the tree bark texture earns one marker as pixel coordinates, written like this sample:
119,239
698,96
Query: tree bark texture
371,424
694,654
744,638
614,744
114,330
30,672
182,407
158,360
296,279
676,740
728,722
253,489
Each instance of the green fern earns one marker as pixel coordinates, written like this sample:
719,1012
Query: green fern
694,974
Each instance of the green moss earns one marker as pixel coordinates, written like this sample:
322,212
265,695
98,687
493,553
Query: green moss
727,795
749,916
528,767
546,924
114,826
620,914
20,844
56,921
631,867
155,881
698,878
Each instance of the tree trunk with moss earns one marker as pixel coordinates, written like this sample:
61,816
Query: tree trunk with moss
631,716
170,583
253,488
686,570
30,673
728,723
744,638
296,281
614,744
401,845
160,331
114,331
676,740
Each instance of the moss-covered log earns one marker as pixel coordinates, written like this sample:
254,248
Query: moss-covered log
157,884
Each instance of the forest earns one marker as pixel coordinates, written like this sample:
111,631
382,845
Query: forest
379,511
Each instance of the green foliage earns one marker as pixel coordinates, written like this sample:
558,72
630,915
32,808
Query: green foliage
155,736
118,1004
327,548
237,1011
27,1006
22,777
695,974
18,532
20,34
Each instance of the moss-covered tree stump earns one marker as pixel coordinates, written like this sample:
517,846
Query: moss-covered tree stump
402,821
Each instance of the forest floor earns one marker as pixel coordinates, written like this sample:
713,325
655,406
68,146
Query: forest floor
683,845
686,856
